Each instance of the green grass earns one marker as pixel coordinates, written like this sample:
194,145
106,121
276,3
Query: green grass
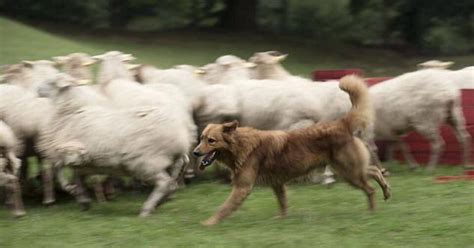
420,214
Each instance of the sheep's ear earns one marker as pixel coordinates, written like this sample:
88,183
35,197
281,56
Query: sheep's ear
200,71
64,84
28,63
249,65
280,58
230,126
89,62
447,64
132,67
60,60
98,57
127,57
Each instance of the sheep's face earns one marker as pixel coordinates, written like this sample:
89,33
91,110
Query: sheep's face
54,87
214,139
76,65
267,58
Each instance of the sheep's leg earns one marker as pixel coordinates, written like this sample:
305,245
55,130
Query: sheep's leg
48,183
13,193
457,122
437,145
18,208
99,191
162,184
82,196
24,169
109,188
66,185
407,154
389,154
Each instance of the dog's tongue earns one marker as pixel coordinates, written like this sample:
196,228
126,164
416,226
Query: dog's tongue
207,160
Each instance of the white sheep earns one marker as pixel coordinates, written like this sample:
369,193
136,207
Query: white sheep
118,85
9,168
27,114
463,78
143,142
419,101
268,66
77,65
30,74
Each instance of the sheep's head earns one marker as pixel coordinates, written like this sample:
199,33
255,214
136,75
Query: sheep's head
57,85
113,65
72,153
76,65
268,58
29,74
114,55
11,72
226,67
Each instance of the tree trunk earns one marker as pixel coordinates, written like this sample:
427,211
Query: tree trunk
239,15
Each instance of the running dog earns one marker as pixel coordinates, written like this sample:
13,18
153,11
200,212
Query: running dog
276,157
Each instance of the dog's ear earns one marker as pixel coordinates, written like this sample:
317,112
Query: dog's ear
230,126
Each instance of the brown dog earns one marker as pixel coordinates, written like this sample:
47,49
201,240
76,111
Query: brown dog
275,157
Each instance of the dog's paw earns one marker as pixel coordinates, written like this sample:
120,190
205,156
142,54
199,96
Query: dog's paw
387,194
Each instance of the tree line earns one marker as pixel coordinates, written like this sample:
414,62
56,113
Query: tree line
430,26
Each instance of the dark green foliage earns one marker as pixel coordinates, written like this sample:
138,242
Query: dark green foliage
430,26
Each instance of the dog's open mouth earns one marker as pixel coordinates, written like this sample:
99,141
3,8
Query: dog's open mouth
208,159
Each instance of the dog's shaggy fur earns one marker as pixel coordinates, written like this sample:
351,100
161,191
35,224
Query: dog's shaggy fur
275,157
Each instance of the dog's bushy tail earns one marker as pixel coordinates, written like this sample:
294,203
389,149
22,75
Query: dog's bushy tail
361,115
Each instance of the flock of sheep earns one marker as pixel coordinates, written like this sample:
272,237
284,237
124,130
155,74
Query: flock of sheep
141,121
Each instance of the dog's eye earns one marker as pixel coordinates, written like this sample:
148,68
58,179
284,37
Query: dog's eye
211,141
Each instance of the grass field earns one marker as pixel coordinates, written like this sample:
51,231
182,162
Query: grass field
421,213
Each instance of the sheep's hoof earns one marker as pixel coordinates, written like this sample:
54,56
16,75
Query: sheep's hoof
48,203
85,206
19,213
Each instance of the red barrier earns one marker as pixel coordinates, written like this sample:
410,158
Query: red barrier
420,148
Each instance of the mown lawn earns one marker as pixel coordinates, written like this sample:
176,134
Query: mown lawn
422,213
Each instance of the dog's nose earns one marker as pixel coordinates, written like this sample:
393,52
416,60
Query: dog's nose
196,153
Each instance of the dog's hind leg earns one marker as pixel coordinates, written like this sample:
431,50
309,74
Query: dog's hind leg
376,174
280,192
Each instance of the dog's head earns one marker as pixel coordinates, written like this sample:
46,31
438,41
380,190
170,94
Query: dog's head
214,139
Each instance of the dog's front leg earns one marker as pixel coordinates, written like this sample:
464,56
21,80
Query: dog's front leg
243,184
280,192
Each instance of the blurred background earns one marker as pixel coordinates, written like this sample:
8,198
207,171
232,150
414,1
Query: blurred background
326,34
381,37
